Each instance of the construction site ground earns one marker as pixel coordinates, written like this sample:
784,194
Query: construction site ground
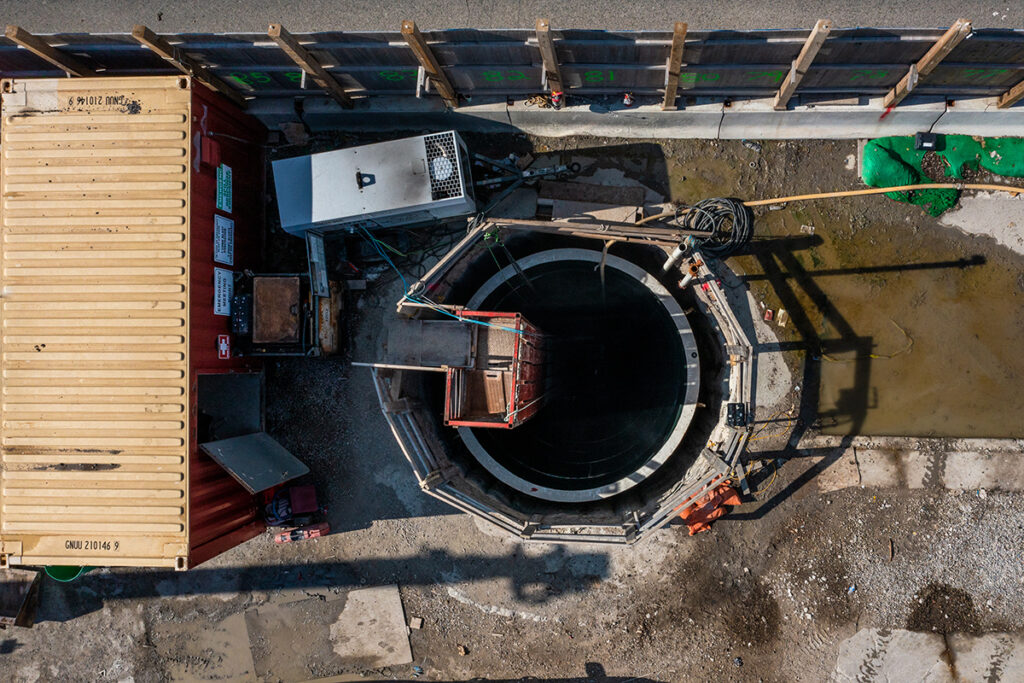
878,545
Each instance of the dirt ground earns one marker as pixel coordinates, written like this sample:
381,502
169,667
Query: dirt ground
768,595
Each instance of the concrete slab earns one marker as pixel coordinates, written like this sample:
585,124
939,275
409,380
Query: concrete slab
890,468
841,474
371,629
218,653
995,214
561,208
327,635
981,116
995,471
520,203
897,655
989,657
696,121
754,119
757,119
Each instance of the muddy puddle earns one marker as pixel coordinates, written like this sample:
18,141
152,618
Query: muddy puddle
898,325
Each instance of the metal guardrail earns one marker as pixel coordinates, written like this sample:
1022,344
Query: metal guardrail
726,64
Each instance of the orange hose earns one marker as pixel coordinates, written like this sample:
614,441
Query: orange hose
882,190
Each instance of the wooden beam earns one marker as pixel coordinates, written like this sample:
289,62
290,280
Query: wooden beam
802,63
308,63
960,29
675,64
41,48
547,54
1011,96
426,58
186,64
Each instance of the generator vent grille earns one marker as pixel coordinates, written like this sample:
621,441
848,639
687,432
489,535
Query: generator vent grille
443,166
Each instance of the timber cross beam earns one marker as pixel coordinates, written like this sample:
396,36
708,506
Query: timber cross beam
425,56
956,33
185,64
552,73
802,63
674,66
41,48
309,64
1011,96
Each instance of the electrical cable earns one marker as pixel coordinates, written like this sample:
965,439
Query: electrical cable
727,223
422,299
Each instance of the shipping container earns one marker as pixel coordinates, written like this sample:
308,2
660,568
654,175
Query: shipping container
129,204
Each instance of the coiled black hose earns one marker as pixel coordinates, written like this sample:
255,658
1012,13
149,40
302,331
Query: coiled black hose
728,224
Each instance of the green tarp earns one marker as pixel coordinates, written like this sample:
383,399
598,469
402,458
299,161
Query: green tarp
894,161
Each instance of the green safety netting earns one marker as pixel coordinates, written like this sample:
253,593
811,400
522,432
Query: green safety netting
894,161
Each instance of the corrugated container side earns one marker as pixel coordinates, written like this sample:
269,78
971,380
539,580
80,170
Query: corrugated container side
107,318
222,513
94,354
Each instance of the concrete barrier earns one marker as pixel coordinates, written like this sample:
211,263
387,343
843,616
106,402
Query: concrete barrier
750,119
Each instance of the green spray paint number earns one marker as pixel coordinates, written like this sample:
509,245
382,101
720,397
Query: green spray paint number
693,77
598,76
498,76
397,75
774,76
983,74
868,74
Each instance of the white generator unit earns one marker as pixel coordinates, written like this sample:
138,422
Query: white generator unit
386,184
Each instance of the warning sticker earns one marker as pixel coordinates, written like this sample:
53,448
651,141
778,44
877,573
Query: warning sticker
223,240
223,347
224,188
223,290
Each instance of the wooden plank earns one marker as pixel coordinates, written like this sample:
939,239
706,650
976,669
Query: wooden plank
1011,96
310,64
547,53
675,64
494,389
960,29
802,63
425,56
41,48
186,64
589,192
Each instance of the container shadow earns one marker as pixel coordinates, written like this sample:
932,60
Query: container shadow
533,580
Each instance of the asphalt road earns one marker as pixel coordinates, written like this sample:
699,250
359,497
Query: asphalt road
51,16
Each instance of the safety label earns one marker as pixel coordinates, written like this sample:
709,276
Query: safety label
224,188
223,346
223,290
223,240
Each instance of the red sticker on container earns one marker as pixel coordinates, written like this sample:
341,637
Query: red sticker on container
223,346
